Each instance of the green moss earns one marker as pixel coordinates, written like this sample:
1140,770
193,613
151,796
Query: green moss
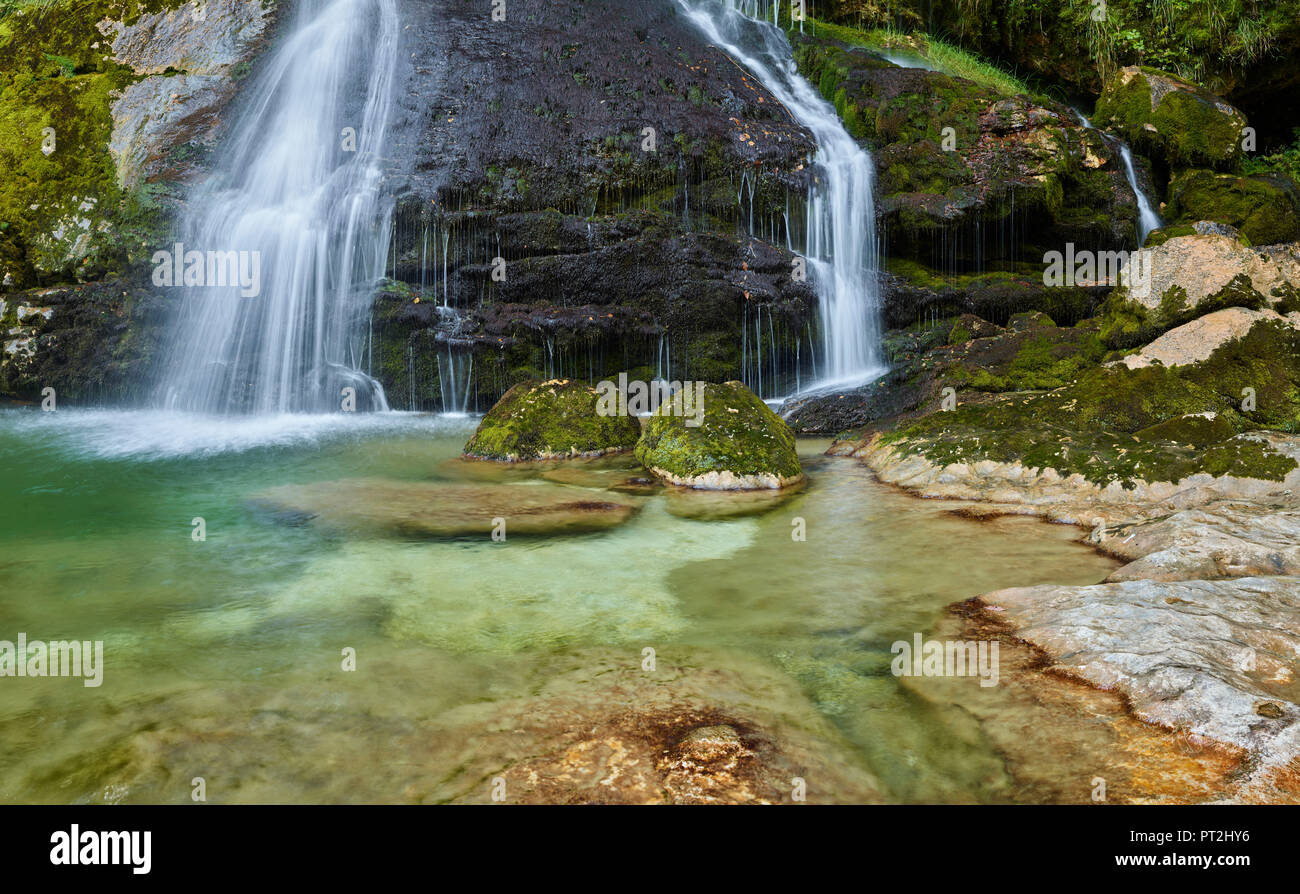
1186,126
1288,298
939,54
1040,364
738,434
550,419
1198,430
1127,324
1153,424
1164,234
64,209
1265,208
714,356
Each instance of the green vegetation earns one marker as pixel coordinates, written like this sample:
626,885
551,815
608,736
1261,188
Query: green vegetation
544,420
1221,45
738,434
938,53
1114,424
1284,161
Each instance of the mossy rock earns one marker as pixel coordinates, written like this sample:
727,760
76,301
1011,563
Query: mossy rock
1044,357
550,420
1126,324
739,443
1196,429
1264,208
1120,425
1161,235
1162,114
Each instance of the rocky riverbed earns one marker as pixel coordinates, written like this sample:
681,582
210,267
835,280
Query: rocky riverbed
586,191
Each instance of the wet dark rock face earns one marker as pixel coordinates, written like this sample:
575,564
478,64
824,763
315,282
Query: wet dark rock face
970,179
525,140
544,90
91,343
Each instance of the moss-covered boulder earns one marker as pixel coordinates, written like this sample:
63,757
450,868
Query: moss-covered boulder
1163,115
1264,208
550,420
1116,425
719,437
959,160
1194,275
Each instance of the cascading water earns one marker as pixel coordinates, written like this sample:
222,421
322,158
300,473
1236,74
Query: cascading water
298,189
1148,219
840,242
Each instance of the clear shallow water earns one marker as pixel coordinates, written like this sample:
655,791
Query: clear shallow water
222,657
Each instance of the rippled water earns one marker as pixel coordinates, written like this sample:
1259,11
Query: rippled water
222,657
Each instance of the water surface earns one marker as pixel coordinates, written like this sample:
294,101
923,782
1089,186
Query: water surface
223,656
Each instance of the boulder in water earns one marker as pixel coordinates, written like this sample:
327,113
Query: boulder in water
739,443
427,509
550,420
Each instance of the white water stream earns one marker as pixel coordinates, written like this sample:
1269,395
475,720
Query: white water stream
1148,219
840,242
297,191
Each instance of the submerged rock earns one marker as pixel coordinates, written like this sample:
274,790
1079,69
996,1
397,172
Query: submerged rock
738,444
425,509
714,505
591,726
550,420
1205,656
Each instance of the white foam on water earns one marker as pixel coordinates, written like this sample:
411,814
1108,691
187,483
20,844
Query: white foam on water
168,434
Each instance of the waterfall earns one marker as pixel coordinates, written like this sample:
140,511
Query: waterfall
297,189
840,241
1148,219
